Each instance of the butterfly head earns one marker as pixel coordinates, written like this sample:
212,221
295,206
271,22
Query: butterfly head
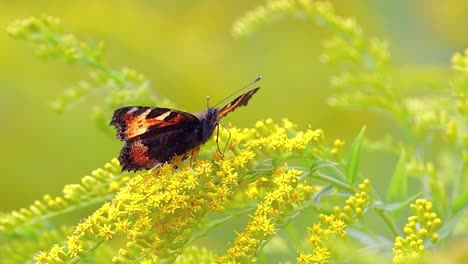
209,120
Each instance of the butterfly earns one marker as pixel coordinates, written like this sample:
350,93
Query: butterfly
155,135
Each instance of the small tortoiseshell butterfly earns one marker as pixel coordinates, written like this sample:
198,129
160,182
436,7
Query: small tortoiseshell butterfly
154,135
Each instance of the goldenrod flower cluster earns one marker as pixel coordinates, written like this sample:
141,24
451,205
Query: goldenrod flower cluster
40,30
120,87
272,211
331,227
158,212
93,189
420,229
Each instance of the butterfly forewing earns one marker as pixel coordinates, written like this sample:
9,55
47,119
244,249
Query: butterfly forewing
139,122
239,101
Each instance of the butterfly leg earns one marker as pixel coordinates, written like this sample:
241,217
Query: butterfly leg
227,142
217,139
194,155
191,156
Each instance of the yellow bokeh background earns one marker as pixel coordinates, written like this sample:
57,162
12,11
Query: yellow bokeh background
187,50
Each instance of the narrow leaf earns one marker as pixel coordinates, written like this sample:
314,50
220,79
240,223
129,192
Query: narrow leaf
398,187
396,207
460,202
354,158
323,192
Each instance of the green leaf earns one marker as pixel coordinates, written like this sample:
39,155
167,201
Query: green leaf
323,192
398,188
280,159
354,158
460,202
371,241
446,230
396,207
321,163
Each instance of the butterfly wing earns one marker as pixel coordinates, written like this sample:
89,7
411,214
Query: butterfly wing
137,121
155,149
153,135
239,101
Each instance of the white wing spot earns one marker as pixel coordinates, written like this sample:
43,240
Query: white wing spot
163,116
133,110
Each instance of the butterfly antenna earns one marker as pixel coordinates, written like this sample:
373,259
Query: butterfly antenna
207,102
245,86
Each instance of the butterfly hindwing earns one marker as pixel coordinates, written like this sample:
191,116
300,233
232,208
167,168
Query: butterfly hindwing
135,156
156,148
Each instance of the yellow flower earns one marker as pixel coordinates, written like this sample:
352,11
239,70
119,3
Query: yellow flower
332,226
75,246
264,221
420,227
337,147
160,210
320,255
304,258
106,232
41,258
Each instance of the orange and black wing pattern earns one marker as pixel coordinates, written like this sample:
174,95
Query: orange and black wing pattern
153,135
239,101
136,121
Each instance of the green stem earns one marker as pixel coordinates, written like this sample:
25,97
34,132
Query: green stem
387,221
88,252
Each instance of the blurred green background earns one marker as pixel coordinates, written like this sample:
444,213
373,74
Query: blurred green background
186,49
